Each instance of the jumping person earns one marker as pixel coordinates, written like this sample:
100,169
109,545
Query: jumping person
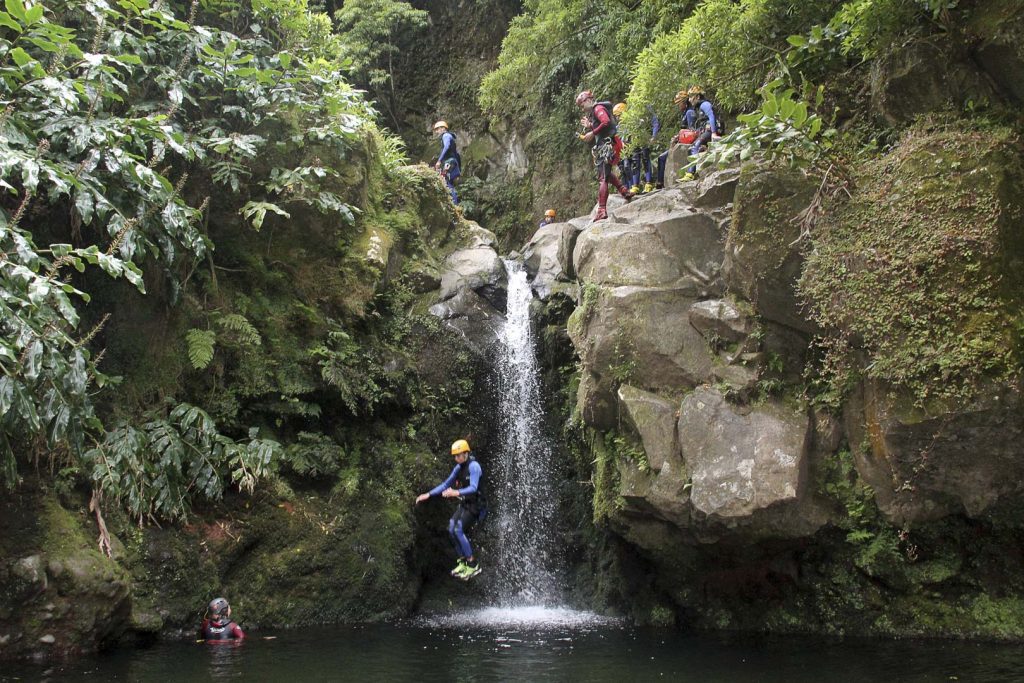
607,148
463,483
218,625
549,218
449,161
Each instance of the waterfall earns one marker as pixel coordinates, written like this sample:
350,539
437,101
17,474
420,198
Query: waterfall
525,495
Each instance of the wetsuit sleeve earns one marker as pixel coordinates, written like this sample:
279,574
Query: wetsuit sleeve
475,471
690,119
237,631
436,491
655,125
709,111
602,122
446,144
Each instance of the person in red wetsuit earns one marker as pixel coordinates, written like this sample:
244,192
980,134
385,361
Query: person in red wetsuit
607,150
218,625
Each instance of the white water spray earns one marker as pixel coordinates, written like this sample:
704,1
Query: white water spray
526,499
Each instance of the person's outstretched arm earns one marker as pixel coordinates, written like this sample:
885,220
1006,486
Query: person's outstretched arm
440,487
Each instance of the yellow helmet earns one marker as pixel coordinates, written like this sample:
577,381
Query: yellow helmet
619,108
695,90
550,213
680,97
460,446
440,124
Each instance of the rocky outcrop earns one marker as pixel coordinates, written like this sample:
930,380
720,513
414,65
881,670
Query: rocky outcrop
548,258
473,286
925,76
64,597
926,465
746,464
763,256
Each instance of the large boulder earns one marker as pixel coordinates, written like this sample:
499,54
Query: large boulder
662,494
654,420
925,76
675,247
678,155
720,318
641,335
478,269
714,190
762,257
745,464
925,465
548,256
473,317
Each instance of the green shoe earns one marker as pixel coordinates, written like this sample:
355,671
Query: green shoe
688,177
469,572
648,188
459,568
635,189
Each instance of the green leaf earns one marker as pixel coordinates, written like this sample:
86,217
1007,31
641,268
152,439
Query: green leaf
796,41
7,22
20,57
16,9
34,13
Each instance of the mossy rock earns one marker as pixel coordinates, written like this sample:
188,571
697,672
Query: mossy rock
763,256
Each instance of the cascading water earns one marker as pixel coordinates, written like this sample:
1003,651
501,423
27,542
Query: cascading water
525,500
522,496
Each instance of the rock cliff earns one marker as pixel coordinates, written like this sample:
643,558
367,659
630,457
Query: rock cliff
698,343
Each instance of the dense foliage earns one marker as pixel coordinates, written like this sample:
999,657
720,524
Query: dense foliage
138,135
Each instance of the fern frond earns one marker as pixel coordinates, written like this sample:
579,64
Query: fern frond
244,331
200,347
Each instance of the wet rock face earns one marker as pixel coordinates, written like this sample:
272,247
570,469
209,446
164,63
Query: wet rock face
64,598
473,290
763,258
925,76
642,334
548,257
742,463
654,419
924,467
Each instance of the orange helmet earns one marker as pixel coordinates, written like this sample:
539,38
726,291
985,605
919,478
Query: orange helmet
460,446
440,124
550,213
619,108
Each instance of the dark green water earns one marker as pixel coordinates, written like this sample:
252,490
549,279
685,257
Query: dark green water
566,650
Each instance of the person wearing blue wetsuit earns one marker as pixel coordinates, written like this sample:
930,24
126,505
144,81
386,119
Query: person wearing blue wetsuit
689,120
642,157
449,162
707,125
463,483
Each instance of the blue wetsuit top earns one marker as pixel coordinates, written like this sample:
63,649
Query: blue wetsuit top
474,480
690,119
655,125
708,111
447,146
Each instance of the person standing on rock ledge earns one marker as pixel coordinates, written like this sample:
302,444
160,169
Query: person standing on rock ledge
549,218
607,148
449,162
463,483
